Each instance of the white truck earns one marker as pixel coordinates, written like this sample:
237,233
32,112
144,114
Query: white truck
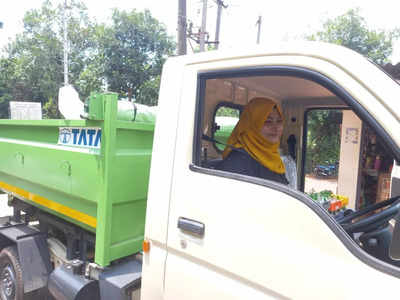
210,234
248,238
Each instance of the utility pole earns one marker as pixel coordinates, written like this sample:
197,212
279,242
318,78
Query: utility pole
65,45
219,11
201,37
259,29
182,27
203,27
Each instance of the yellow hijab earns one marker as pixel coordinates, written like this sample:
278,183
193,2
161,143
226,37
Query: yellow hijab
247,135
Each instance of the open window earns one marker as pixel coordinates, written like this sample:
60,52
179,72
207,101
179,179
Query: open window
225,119
343,158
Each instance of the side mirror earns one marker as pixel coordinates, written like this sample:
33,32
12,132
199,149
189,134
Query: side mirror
394,250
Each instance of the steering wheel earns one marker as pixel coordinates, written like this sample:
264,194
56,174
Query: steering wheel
366,224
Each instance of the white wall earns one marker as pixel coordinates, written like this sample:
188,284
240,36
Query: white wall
349,157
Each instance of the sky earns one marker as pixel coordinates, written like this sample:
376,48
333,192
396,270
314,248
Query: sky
282,20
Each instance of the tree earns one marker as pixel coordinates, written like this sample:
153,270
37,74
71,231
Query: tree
135,48
127,56
350,30
323,137
6,68
35,59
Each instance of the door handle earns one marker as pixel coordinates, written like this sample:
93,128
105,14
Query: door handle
191,226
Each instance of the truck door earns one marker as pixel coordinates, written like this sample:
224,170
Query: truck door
232,236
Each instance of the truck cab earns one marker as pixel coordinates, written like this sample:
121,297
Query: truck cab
220,235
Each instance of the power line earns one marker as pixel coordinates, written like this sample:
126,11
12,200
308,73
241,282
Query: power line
221,3
202,36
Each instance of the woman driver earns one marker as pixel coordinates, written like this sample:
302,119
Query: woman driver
253,147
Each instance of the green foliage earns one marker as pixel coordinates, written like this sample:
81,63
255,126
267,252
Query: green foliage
225,111
350,30
323,137
35,57
135,48
317,196
7,69
125,56
148,91
50,110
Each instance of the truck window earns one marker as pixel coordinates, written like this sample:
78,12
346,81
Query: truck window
322,150
344,160
339,159
226,117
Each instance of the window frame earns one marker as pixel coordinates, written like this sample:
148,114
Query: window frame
336,89
219,105
292,71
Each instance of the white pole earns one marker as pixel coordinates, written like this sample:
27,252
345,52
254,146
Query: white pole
182,27
259,29
218,24
203,26
65,45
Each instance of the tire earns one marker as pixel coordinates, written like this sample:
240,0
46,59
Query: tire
11,284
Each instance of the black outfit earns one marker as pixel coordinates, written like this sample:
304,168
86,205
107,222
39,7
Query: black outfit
239,161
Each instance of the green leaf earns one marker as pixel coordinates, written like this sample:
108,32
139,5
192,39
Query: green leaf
351,31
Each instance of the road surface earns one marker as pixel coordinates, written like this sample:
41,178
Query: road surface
320,184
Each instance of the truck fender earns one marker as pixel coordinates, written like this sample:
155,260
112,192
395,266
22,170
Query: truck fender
33,254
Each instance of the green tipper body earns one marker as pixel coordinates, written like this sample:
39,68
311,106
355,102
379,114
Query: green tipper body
102,189
222,135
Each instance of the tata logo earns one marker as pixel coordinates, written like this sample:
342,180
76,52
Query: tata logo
80,137
65,135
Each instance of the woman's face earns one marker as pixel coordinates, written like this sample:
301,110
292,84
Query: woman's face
273,127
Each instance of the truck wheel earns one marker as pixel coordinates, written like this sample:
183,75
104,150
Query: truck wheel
11,284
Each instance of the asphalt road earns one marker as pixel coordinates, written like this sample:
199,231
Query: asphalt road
5,210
